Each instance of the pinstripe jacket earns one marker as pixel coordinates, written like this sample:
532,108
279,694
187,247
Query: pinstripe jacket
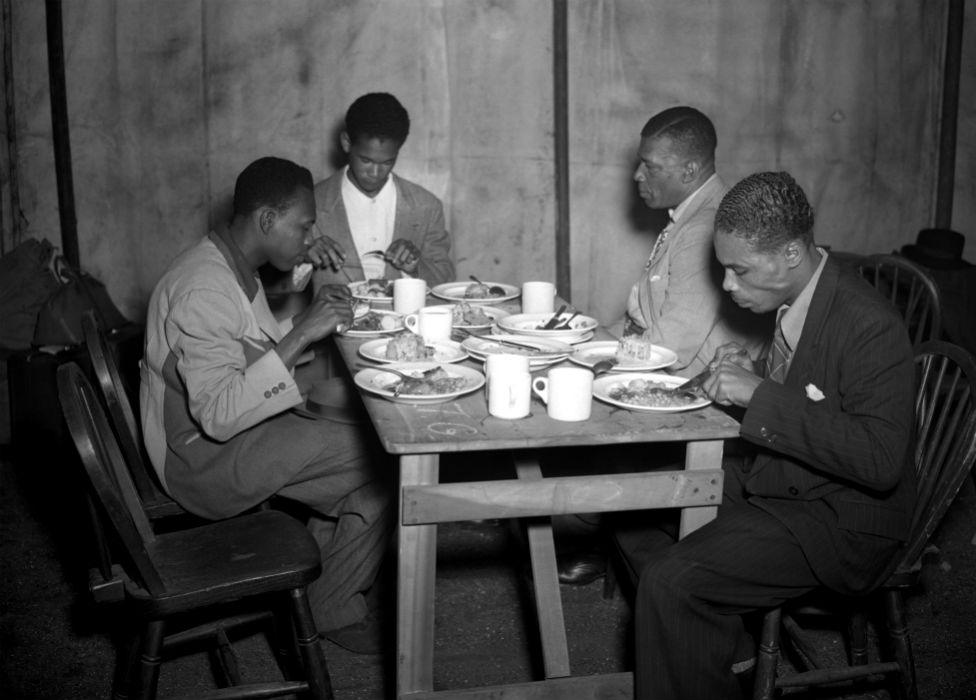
837,470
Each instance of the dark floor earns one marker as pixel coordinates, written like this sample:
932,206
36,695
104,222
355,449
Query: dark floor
54,644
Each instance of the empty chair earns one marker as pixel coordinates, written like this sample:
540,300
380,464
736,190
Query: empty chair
912,291
196,570
945,449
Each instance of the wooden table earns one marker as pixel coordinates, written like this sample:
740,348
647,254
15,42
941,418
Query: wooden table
420,434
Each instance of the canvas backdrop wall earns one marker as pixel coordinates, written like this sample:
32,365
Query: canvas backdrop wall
169,100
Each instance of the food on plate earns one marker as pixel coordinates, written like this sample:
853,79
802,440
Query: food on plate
467,315
644,392
373,321
408,347
479,290
432,382
376,288
634,348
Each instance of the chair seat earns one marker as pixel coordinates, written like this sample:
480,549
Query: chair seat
230,559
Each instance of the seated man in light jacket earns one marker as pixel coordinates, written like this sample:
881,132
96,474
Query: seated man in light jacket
217,388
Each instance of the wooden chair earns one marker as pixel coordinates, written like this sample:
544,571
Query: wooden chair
945,449
155,501
912,291
266,554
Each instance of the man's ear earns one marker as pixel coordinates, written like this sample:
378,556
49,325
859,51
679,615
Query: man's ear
345,141
266,217
793,254
690,172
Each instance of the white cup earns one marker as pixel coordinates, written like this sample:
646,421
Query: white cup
507,383
409,294
432,322
538,297
567,392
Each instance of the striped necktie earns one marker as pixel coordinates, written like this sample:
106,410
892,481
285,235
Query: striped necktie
778,359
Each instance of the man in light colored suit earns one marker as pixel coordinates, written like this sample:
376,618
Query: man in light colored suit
218,388
826,498
365,207
678,302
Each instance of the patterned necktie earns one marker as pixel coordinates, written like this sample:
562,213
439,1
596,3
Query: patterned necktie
659,242
778,359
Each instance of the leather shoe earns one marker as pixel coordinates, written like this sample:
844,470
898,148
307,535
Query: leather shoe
581,568
363,637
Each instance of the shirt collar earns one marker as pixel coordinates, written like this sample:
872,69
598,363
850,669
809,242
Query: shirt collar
246,276
686,202
350,190
792,317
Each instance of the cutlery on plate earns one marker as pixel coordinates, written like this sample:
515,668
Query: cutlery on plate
497,341
693,383
604,366
492,288
565,324
554,321
391,370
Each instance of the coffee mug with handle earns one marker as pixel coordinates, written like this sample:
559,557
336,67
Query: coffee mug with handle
567,392
434,323
507,384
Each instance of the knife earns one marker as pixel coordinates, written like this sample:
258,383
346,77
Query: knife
695,382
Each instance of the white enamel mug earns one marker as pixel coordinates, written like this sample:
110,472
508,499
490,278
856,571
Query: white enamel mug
508,385
433,323
567,392
409,295
538,297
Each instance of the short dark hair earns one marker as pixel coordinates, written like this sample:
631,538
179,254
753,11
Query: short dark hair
377,115
689,129
269,182
768,210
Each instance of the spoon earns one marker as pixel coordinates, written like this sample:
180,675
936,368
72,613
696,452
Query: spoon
554,321
391,370
493,289
604,366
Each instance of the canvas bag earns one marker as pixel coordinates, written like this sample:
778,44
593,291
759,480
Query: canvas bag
59,319
27,280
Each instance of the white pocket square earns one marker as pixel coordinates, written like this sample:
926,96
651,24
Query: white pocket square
813,393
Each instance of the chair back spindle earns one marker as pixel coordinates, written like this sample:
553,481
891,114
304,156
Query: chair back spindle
910,289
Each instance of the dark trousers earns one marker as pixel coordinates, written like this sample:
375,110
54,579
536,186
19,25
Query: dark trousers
691,599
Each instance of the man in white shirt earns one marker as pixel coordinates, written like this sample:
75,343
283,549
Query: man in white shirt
374,223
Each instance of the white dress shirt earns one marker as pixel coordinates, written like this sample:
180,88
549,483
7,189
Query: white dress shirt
371,222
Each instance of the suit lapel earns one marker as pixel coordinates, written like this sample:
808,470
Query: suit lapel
332,205
808,348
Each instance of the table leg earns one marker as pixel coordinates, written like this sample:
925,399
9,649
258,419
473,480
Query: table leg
545,579
705,454
416,571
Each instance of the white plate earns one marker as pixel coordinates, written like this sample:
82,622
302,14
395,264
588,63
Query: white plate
358,290
353,333
588,354
528,324
491,312
377,381
548,352
454,291
444,351
603,385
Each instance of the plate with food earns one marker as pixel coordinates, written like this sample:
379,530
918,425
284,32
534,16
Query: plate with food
631,356
473,317
395,350
375,322
378,290
570,328
419,382
476,292
647,392
541,352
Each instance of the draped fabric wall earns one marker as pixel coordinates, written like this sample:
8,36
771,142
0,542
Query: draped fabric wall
168,101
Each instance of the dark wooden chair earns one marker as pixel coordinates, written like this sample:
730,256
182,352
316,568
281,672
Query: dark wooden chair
155,501
265,557
945,449
912,291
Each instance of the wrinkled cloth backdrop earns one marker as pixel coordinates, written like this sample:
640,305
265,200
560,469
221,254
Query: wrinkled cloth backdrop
168,101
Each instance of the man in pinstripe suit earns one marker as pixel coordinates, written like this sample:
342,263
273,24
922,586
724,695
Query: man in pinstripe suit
826,499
